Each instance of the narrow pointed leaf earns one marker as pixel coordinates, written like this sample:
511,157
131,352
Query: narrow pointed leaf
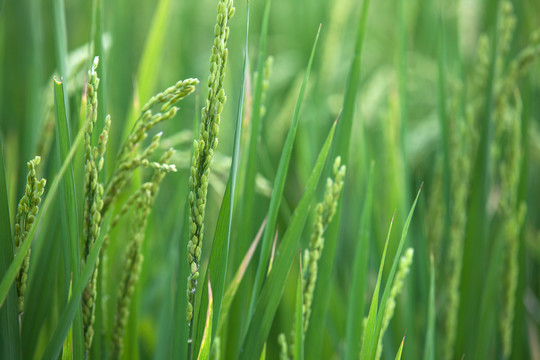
299,320
369,351
429,347
356,300
15,265
369,332
204,352
279,184
54,346
314,336
150,61
400,350
9,323
268,300
70,249
228,297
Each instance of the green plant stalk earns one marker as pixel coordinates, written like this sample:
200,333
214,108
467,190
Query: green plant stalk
279,184
299,317
15,265
69,208
273,288
476,233
355,312
341,147
429,345
10,340
219,255
204,149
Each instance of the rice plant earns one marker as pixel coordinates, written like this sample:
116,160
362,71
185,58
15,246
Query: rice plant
354,180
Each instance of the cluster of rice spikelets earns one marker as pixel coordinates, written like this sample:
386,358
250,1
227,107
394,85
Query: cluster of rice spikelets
204,147
324,212
98,201
129,158
26,215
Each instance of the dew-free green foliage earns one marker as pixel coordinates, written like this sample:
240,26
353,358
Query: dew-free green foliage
141,204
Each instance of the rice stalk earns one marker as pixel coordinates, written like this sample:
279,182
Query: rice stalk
204,147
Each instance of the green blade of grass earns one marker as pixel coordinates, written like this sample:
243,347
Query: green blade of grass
246,205
344,131
355,313
372,346
268,301
475,243
279,184
400,350
152,54
181,329
219,255
54,346
70,249
204,352
10,341
15,265
488,306
235,283
299,320
429,347
246,202
368,338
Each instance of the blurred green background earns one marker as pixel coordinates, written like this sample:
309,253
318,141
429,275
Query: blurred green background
397,124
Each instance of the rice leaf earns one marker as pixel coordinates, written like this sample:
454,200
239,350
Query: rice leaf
68,206
344,131
246,205
429,347
10,341
369,338
145,81
475,243
279,184
400,350
268,300
15,265
355,313
488,305
54,346
204,352
299,320
371,347
238,276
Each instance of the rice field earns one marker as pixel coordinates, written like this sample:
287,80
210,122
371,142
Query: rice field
269,179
